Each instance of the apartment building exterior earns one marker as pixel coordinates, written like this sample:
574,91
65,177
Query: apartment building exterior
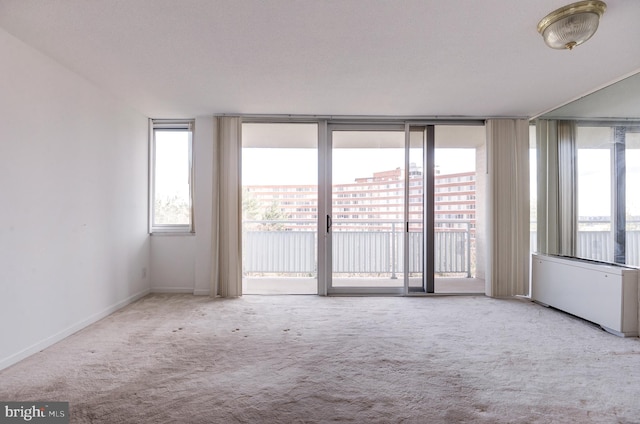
369,203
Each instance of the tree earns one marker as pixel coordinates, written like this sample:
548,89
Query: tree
250,206
274,213
171,210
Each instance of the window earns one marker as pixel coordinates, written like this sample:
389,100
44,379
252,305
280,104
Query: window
171,166
608,166
594,195
632,159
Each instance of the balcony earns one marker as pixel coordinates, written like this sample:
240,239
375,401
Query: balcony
281,256
595,241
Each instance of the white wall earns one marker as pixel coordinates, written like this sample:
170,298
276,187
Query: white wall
182,263
172,263
73,202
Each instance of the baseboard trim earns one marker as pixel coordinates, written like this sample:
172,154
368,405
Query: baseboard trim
181,290
172,290
37,347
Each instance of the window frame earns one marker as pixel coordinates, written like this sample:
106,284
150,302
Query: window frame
170,125
618,203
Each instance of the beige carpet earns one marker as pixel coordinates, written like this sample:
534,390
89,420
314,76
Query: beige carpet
309,359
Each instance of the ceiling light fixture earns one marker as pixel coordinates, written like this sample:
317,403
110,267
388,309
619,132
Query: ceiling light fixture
571,25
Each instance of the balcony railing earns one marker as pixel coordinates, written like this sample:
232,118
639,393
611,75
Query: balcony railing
597,244
358,247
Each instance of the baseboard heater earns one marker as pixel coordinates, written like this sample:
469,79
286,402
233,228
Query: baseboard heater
602,293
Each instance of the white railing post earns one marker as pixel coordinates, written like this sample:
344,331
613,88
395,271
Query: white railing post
393,251
468,242
293,250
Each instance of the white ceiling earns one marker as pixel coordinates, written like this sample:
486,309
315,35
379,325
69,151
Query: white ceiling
177,59
620,100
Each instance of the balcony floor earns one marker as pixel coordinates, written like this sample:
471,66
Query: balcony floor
298,285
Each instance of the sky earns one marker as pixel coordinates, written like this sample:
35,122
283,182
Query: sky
172,164
299,166
595,185
594,182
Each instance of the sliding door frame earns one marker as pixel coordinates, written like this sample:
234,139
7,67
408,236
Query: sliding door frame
325,125
325,200
327,122
428,216
324,219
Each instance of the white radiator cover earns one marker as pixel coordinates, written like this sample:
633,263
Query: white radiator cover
604,294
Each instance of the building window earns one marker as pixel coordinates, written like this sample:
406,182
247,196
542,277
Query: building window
172,171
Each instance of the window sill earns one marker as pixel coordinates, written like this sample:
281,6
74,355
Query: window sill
173,233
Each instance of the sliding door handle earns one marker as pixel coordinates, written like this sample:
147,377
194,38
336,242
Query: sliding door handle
328,223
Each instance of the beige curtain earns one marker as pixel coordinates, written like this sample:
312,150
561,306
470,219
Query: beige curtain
508,207
567,168
226,278
556,209
547,170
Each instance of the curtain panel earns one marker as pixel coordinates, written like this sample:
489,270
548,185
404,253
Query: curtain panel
547,171
556,209
567,188
226,278
508,207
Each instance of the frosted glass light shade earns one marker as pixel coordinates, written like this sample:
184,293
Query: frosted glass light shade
571,25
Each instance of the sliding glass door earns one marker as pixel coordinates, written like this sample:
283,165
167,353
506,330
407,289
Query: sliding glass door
419,200
460,170
279,208
367,208
334,208
376,216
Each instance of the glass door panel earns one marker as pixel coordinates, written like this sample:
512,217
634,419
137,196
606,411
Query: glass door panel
279,208
367,209
458,253
416,213
595,224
